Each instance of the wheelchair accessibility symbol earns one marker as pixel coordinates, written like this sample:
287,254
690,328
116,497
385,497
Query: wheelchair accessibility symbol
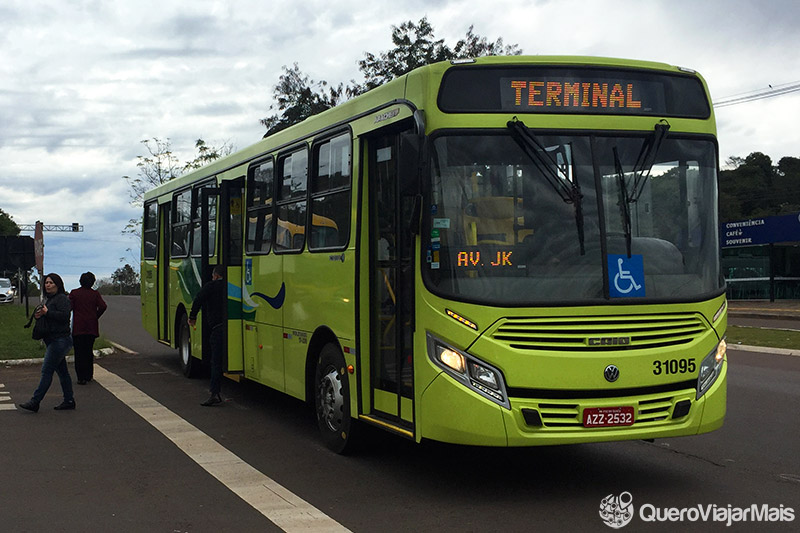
626,276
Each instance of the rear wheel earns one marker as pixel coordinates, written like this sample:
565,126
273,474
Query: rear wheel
332,400
189,364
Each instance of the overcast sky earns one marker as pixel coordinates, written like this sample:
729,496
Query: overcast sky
83,82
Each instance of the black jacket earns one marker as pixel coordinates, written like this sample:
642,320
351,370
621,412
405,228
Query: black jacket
56,322
212,298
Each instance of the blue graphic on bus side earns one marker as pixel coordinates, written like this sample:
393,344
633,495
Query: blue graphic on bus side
626,276
275,302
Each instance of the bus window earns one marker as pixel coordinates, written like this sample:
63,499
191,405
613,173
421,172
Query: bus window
260,185
293,172
150,235
181,218
197,244
330,194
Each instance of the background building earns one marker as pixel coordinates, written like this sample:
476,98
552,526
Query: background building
761,257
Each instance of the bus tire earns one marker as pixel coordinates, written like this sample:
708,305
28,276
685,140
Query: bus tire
332,400
189,365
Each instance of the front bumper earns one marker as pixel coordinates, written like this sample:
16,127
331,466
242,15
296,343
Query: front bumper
451,413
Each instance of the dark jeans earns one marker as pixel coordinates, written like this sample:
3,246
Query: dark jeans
216,339
55,360
84,356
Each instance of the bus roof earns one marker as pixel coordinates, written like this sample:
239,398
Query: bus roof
394,91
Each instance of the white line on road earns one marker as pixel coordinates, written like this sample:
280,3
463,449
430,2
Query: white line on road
283,508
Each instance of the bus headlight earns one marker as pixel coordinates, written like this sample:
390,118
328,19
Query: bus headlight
450,358
710,368
475,374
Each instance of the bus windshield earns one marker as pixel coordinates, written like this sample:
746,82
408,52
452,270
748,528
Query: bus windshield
571,218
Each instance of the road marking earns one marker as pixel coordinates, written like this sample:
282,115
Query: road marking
6,397
283,508
122,348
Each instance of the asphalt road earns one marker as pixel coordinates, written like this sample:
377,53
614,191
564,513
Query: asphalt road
104,467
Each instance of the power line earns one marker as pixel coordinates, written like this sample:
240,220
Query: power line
761,94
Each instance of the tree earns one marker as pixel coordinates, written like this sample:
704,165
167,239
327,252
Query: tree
297,100
416,46
298,97
124,280
8,228
206,154
756,188
161,166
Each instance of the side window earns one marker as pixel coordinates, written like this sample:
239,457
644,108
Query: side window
150,231
330,194
260,186
181,219
292,176
197,244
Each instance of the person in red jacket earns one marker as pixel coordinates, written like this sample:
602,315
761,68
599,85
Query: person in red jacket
87,307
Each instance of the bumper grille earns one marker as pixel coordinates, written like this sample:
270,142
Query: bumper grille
599,333
648,410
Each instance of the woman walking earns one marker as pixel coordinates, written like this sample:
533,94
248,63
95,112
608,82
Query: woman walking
52,326
87,306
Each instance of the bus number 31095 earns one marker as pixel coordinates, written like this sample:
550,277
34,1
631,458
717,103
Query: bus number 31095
674,366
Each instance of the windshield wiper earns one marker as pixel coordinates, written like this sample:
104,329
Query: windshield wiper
568,190
624,207
641,172
646,159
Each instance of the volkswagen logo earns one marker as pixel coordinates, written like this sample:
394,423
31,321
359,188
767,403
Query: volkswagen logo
611,373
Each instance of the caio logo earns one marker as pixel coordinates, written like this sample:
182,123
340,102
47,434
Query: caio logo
608,341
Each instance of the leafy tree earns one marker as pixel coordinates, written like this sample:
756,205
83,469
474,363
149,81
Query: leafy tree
757,188
415,45
124,280
299,97
8,228
160,165
206,154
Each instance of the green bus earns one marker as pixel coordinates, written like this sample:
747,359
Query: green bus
503,251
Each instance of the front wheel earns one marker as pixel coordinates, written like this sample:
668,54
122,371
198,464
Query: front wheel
189,364
332,400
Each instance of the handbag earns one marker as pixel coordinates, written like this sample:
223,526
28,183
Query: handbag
38,326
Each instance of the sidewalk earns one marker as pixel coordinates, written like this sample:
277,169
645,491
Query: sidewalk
779,309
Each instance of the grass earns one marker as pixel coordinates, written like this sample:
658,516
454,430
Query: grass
16,341
773,338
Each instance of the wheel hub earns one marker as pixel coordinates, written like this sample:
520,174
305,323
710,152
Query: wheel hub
331,400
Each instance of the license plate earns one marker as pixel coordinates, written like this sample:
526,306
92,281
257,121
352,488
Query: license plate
595,417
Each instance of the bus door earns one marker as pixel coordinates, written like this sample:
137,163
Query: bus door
391,285
231,217
204,242
164,331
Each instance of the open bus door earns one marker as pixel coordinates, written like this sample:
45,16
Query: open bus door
231,218
227,199
162,274
391,304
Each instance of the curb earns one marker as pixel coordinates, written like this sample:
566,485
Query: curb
70,358
763,315
764,349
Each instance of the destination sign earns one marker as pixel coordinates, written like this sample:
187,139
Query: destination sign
575,95
589,90
476,259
